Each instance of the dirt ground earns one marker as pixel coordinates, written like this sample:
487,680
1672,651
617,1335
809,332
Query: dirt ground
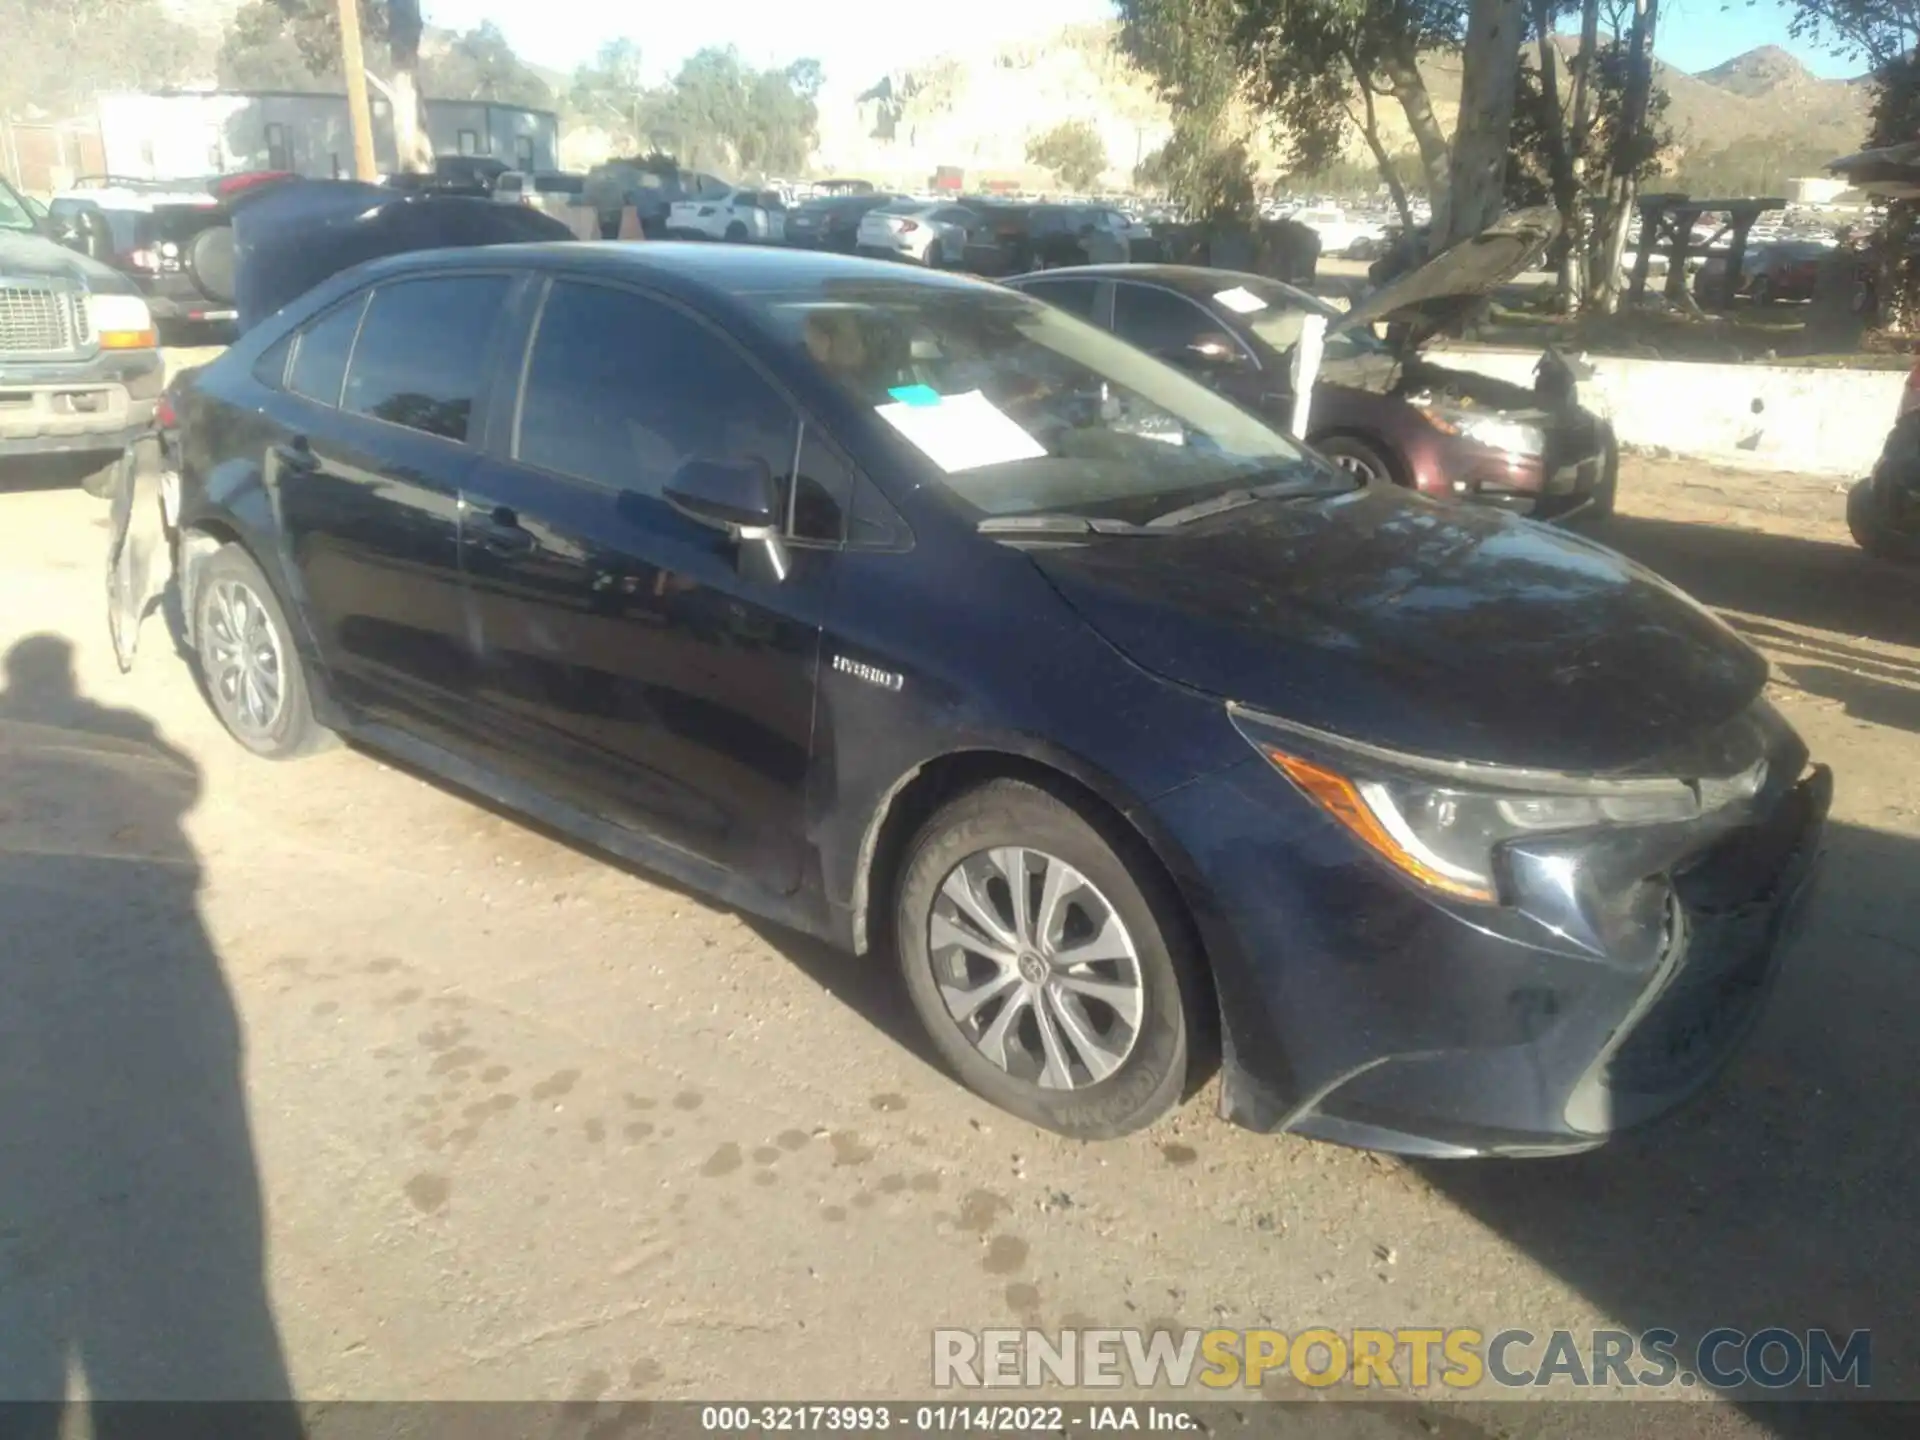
322,1075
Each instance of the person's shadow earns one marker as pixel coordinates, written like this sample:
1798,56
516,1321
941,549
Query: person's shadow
131,1246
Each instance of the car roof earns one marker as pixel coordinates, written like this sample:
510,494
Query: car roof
697,271
1195,281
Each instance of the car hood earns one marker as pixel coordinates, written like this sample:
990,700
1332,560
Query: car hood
39,257
1449,631
1448,288
290,236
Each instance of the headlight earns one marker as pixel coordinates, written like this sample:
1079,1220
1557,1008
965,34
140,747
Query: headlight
121,322
1513,436
1442,823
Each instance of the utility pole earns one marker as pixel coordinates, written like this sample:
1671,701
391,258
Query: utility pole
353,64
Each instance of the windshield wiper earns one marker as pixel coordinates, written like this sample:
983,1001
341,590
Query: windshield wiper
1057,525
1235,498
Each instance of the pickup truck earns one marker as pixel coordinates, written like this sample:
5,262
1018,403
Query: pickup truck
80,366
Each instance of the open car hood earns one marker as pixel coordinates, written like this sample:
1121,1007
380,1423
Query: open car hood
1446,290
290,236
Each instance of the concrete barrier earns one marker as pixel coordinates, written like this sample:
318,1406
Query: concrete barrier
1762,417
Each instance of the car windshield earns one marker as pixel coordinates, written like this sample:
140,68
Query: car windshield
14,214
1275,313
1019,409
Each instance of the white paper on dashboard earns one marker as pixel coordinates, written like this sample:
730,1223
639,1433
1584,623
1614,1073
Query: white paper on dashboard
962,432
1240,299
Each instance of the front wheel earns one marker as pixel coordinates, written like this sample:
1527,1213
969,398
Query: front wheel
248,662
1051,972
1355,456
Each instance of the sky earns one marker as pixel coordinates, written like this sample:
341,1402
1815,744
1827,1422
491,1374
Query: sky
857,41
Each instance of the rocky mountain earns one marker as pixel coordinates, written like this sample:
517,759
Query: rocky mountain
979,110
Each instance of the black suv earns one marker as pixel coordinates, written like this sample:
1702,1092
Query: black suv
173,239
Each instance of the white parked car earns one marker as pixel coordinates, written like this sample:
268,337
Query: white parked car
539,188
739,215
1342,234
927,232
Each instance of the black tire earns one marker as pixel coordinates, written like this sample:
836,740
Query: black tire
100,482
736,232
936,257
1357,457
291,730
1152,1076
1606,494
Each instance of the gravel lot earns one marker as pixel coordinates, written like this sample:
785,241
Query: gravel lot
467,1112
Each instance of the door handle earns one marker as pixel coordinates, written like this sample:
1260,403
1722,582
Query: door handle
296,453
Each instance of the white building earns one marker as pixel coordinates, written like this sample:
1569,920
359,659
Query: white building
174,134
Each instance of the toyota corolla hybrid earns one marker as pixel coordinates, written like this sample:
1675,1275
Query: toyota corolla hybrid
927,618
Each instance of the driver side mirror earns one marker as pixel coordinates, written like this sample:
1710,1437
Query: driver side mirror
738,496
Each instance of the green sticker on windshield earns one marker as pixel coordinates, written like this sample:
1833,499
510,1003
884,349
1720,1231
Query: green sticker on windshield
915,394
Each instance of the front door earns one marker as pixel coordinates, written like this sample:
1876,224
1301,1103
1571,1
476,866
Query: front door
374,418
643,667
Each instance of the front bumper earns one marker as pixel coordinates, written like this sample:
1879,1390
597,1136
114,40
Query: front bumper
80,406
1560,483
1358,1010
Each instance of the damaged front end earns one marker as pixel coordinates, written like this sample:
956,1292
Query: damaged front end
143,518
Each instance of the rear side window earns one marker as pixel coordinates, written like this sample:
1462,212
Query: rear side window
1159,321
1076,297
271,368
422,354
622,390
320,356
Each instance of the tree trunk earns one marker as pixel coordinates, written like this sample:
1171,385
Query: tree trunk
1490,72
1623,188
1406,86
1370,131
410,138
1566,189
1579,139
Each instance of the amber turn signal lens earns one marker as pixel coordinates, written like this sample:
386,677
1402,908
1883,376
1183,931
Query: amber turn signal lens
1336,794
128,340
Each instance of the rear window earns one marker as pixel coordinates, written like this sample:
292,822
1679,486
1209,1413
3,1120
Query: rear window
901,207
559,185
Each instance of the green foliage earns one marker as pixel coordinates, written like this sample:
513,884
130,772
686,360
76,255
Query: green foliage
1529,178
719,113
56,55
1073,151
269,47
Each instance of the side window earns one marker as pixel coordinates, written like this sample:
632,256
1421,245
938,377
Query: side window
271,368
822,492
1076,297
422,355
622,390
1159,321
320,357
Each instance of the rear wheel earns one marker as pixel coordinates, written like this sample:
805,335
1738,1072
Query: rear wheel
1356,457
936,257
736,231
248,662
1049,968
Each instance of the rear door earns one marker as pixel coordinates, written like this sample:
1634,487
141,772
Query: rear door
377,414
644,668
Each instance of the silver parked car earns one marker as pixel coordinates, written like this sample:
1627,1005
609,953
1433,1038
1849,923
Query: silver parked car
927,232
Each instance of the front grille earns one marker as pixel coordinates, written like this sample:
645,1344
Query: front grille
1705,1007
40,320
1731,904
